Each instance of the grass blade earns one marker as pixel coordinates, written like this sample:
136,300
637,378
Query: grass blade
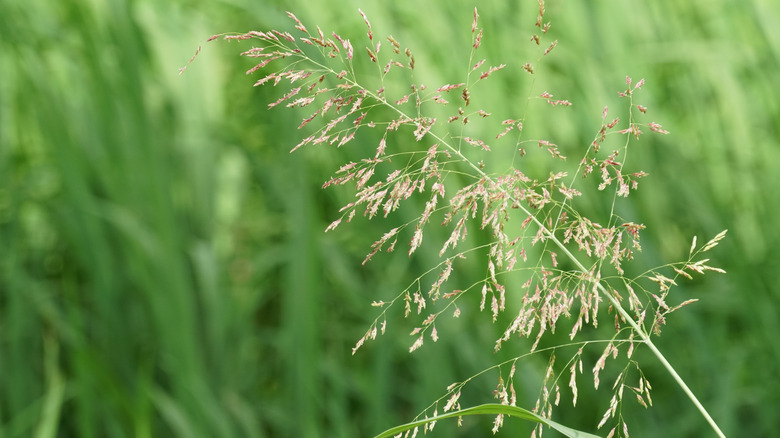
490,409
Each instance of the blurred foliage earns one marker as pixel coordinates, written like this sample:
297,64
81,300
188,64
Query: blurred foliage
164,270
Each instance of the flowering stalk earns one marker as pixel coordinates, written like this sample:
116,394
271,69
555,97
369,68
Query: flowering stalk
346,105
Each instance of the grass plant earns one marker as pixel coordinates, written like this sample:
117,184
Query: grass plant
327,74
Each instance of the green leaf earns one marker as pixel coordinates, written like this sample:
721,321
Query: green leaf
490,409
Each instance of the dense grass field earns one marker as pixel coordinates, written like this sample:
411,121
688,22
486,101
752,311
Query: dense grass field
164,270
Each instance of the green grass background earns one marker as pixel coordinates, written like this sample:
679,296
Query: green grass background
164,271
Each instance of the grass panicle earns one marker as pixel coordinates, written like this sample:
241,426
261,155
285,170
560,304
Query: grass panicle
429,144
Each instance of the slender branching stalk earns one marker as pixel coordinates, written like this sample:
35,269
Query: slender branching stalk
320,69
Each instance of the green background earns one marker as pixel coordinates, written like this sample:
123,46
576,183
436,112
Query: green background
164,270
